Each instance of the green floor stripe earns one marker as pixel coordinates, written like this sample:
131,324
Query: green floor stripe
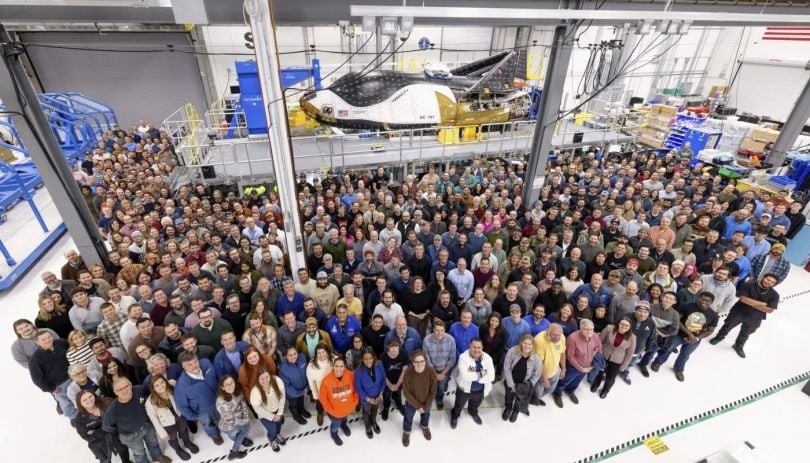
699,418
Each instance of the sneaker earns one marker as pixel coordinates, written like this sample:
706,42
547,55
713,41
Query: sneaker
183,454
603,393
453,422
281,439
679,375
245,443
644,372
506,413
557,400
384,414
739,350
217,439
336,439
275,446
164,459
626,379
306,414
369,433
300,419
477,419
192,447
535,401
573,398
376,428
345,427
655,367
514,415
427,434
715,340
237,454
406,439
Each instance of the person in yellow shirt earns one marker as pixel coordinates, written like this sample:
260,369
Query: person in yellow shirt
354,304
550,347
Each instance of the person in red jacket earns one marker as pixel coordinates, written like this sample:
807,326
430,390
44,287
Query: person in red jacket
339,398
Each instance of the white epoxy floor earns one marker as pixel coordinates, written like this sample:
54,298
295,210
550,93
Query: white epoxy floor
777,425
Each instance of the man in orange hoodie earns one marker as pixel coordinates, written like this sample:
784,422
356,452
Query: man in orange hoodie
339,398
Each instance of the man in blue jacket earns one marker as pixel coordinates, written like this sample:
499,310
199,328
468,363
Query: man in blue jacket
196,393
595,292
229,359
293,371
341,328
407,336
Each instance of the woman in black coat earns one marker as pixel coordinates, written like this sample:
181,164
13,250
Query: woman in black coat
88,424
493,336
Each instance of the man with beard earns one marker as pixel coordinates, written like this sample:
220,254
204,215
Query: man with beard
210,329
53,284
756,301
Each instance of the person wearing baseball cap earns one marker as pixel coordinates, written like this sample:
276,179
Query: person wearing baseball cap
311,337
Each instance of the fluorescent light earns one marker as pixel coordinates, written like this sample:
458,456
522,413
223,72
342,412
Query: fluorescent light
369,23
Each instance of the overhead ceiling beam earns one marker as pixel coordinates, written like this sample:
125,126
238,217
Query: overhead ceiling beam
534,16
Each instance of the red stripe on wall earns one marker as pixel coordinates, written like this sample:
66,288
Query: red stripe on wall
806,34
788,39
788,28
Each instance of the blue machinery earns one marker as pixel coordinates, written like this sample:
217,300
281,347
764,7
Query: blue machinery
250,92
78,122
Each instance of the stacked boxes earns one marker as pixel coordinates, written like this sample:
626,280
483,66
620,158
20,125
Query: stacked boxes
656,125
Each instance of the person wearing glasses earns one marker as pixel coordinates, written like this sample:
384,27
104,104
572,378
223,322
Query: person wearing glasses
127,418
419,386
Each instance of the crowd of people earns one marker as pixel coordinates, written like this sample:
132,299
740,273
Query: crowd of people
412,287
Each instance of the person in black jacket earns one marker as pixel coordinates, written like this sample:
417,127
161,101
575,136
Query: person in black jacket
49,370
553,298
127,418
88,424
493,337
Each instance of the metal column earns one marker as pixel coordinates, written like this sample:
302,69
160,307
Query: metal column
556,69
18,96
792,129
264,33
206,70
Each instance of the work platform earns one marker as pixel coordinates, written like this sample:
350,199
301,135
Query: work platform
248,158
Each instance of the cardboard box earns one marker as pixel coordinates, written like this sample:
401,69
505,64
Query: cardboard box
655,109
670,111
649,141
658,122
764,134
651,132
753,145
717,90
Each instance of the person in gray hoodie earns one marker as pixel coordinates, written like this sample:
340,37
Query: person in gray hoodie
719,284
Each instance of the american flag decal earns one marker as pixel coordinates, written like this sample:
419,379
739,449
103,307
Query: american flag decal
787,34
343,113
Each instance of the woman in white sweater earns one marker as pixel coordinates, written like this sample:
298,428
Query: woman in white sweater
167,420
267,399
318,367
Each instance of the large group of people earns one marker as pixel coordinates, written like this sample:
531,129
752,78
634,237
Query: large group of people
412,287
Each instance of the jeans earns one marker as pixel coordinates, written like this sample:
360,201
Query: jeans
540,390
649,355
683,356
336,423
407,420
237,435
68,409
135,443
633,361
472,399
370,414
737,317
209,422
441,387
273,428
395,395
570,383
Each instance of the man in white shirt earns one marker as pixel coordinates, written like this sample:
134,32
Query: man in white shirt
389,309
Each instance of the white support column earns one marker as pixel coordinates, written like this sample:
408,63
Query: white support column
264,35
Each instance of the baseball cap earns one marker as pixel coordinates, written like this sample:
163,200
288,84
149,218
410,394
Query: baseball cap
322,275
615,273
311,321
632,260
615,221
643,305
524,240
556,281
514,308
526,259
